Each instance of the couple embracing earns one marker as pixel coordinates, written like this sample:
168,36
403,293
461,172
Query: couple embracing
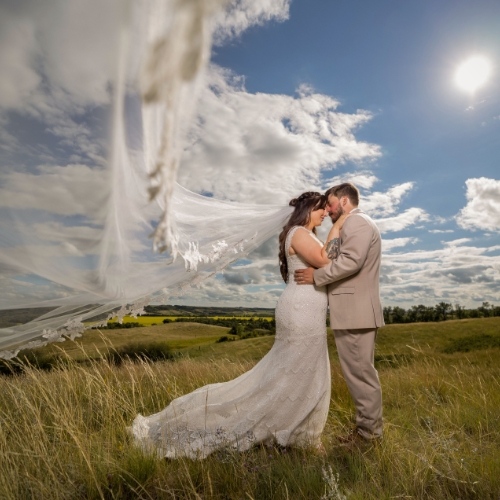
284,399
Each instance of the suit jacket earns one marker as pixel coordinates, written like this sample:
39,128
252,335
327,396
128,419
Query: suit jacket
353,278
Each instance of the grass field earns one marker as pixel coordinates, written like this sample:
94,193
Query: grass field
62,433
179,336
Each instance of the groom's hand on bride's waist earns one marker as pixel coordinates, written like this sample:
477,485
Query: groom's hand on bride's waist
304,276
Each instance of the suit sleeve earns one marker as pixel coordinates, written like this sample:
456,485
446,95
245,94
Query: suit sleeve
353,252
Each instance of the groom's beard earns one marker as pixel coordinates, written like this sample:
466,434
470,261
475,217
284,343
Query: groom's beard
335,215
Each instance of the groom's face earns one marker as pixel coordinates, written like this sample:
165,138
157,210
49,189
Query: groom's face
334,208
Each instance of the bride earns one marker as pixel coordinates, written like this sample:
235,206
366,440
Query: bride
285,397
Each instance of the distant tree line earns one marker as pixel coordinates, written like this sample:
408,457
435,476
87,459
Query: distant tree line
178,310
238,325
440,312
114,325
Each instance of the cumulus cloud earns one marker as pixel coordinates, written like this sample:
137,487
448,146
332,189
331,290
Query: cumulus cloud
217,292
245,276
69,48
458,272
63,190
65,49
59,58
383,204
402,221
388,245
361,179
483,205
241,14
465,275
266,148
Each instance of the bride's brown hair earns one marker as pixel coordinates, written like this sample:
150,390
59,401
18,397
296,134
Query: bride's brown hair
301,216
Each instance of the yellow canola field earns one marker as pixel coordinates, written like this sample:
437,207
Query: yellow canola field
158,320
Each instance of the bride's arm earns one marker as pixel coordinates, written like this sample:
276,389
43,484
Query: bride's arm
311,252
331,248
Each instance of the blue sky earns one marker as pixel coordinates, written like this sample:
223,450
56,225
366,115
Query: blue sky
298,95
397,60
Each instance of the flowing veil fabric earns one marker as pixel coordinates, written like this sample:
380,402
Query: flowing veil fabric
126,274
93,258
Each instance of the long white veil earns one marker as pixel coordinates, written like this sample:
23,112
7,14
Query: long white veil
98,261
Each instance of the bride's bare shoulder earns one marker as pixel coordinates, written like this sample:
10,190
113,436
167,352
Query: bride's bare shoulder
300,238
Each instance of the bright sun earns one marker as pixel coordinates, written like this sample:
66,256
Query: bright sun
473,73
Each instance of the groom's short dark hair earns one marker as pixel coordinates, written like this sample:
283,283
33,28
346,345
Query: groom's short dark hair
345,189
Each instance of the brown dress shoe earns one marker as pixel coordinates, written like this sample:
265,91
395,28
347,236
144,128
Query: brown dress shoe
353,440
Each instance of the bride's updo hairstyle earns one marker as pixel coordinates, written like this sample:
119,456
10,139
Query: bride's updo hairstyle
301,216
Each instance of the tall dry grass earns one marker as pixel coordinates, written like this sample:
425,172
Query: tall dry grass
62,436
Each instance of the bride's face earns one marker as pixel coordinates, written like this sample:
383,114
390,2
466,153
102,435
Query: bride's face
317,216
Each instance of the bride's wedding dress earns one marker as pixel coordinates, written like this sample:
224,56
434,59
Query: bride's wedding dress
283,399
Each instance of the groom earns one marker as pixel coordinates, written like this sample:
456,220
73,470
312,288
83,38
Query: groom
355,308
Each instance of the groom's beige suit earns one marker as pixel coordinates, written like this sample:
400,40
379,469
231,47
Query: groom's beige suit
356,313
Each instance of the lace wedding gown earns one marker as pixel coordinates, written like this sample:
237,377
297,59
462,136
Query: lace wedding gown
283,399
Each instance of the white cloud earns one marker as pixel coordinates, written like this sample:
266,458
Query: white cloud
8,142
455,243
17,59
68,49
438,231
68,190
459,272
60,48
243,276
401,221
78,240
388,245
15,291
380,204
217,292
362,180
483,205
241,14
266,148
59,59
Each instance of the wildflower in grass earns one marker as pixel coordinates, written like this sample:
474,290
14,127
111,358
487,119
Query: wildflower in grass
332,486
226,452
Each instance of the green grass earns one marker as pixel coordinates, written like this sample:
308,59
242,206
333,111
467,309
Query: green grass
473,343
179,336
62,432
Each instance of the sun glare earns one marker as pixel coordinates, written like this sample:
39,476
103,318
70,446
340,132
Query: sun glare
473,73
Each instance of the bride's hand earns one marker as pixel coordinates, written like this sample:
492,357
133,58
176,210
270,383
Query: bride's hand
339,223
